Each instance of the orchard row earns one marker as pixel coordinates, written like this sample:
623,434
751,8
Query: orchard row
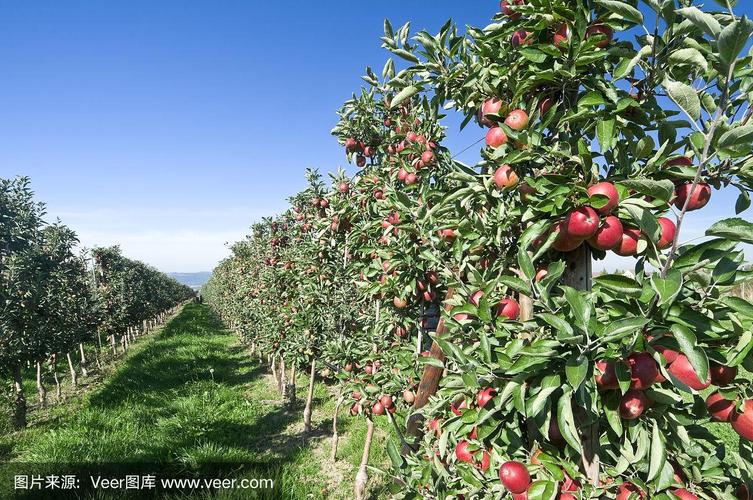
55,299
457,301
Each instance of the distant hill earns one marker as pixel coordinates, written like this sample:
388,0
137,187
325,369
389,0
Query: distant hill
194,280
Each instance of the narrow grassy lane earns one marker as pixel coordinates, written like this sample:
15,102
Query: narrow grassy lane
190,402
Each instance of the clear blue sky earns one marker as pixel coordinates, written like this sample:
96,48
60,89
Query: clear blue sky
170,126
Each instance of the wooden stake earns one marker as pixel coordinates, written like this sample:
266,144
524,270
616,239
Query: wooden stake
41,389
362,477
309,399
74,375
578,274
429,381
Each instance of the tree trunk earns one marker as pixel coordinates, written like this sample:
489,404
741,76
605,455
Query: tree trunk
112,344
74,375
335,437
54,365
19,410
84,372
362,477
98,350
41,389
578,274
309,399
283,380
273,364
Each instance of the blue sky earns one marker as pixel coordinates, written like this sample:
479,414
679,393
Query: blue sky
170,126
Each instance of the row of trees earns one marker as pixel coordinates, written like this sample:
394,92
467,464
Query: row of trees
458,301
53,299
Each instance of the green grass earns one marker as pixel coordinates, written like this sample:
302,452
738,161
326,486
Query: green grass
189,401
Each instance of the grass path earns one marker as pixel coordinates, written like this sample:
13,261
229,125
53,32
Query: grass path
189,401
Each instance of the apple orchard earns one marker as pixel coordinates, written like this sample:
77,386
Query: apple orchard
457,303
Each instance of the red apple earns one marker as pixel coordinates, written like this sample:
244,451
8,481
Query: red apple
447,234
462,453
582,223
361,161
399,302
402,174
409,396
517,119
486,460
521,37
565,242
490,106
514,476
722,375
700,197
561,37
457,406
632,404
684,372
386,400
427,157
605,189
343,187
719,408
350,144
541,274
626,489
496,137
505,177
476,297
606,376
435,426
680,160
599,28
743,422
643,370
504,7
629,243
484,396
508,308
608,235
377,408
668,230
684,494
411,179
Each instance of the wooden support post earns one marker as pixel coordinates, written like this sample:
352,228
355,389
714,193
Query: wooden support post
428,385
579,274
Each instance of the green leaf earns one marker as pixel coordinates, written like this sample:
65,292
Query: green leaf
734,228
579,306
645,220
622,9
592,98
696,355
515,283
689,56
685,97
736,136
557,323
739,305
621,328
576,369
667,288
733,38
394,454
662,190
605,131
701,20
620,283
566,421
404,94
658,453
743,202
